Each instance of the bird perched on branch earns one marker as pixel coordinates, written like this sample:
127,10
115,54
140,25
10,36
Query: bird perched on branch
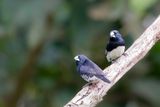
116,46
88,70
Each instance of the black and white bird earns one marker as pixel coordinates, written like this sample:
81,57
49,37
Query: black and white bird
88,70
116,46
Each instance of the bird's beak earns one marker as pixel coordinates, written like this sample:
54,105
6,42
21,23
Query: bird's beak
112,34
76,58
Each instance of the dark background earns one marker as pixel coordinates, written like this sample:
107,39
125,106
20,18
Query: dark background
39,39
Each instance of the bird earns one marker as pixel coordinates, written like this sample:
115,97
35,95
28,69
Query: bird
116,46
88,70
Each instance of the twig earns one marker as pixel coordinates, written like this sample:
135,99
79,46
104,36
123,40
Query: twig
115,71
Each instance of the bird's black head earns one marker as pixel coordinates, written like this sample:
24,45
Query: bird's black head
80,59
115,36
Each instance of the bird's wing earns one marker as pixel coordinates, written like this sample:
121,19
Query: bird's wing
91,69
100,74
88,70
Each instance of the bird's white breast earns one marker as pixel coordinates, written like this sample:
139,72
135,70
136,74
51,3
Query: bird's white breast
88,79
115,53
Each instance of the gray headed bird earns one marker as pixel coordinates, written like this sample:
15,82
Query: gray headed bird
88,70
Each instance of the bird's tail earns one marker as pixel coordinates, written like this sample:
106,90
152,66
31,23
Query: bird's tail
103,78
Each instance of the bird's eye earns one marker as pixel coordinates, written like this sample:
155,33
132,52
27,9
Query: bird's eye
84,61
115,33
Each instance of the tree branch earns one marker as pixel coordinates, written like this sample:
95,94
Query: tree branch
90,96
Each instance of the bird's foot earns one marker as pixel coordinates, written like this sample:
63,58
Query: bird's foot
114,60
125,54
90,84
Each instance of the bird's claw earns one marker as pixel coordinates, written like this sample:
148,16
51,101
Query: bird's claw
90,84
125,54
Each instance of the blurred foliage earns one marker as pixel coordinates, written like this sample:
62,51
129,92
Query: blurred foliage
39,38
